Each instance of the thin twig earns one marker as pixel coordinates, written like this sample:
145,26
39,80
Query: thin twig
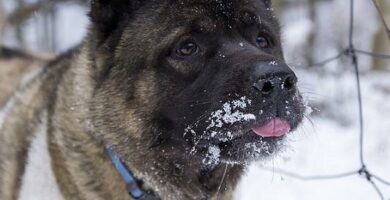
351,23
377,189
352,53
381,15
312,177
381,179
373,54
326,61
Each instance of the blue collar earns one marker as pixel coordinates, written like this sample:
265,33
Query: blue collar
133,188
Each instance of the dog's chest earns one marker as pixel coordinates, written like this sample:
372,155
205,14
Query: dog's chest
38,182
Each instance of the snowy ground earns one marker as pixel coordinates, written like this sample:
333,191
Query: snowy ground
330,146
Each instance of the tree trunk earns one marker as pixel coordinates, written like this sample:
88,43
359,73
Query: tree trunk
381,41
2,19
312,35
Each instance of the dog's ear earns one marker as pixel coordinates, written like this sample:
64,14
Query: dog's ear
107,14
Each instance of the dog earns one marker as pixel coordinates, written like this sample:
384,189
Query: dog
167,99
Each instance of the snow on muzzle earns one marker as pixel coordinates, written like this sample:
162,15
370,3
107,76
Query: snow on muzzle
220,123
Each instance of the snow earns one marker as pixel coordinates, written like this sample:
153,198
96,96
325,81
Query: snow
230,113
274,63
38,165
73,21
212,157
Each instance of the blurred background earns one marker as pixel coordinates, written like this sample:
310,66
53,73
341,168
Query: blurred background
313,31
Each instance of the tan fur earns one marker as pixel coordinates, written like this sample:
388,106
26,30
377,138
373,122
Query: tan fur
12,72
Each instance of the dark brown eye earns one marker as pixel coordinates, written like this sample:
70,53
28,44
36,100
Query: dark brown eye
187,49
262,42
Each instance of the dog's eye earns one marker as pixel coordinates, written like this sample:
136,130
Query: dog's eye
187,49
262,41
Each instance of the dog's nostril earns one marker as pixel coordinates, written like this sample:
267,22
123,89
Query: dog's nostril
267,87
264,86
290,83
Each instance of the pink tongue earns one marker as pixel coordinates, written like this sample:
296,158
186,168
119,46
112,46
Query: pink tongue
274,128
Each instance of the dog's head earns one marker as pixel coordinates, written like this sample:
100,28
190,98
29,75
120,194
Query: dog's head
204,76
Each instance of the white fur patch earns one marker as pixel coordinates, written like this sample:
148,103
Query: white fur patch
38,182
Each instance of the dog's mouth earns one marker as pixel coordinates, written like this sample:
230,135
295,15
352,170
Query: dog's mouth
272,129
242,142
275,127
240,134
252,144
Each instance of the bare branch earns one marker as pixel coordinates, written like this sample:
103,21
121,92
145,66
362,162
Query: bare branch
385,25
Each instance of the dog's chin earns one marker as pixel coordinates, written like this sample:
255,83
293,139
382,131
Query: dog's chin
244,148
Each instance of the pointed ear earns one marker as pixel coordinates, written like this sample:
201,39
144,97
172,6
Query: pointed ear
107,14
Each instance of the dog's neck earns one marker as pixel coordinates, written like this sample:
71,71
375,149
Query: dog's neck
132,184
207,178
165,175
137,192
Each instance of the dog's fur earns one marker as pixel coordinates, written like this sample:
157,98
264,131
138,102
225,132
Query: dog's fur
15,66
127,88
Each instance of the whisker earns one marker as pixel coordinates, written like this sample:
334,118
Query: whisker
204,101
222,181
306,94
200,103
310,120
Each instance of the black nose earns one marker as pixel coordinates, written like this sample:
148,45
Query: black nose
273,78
